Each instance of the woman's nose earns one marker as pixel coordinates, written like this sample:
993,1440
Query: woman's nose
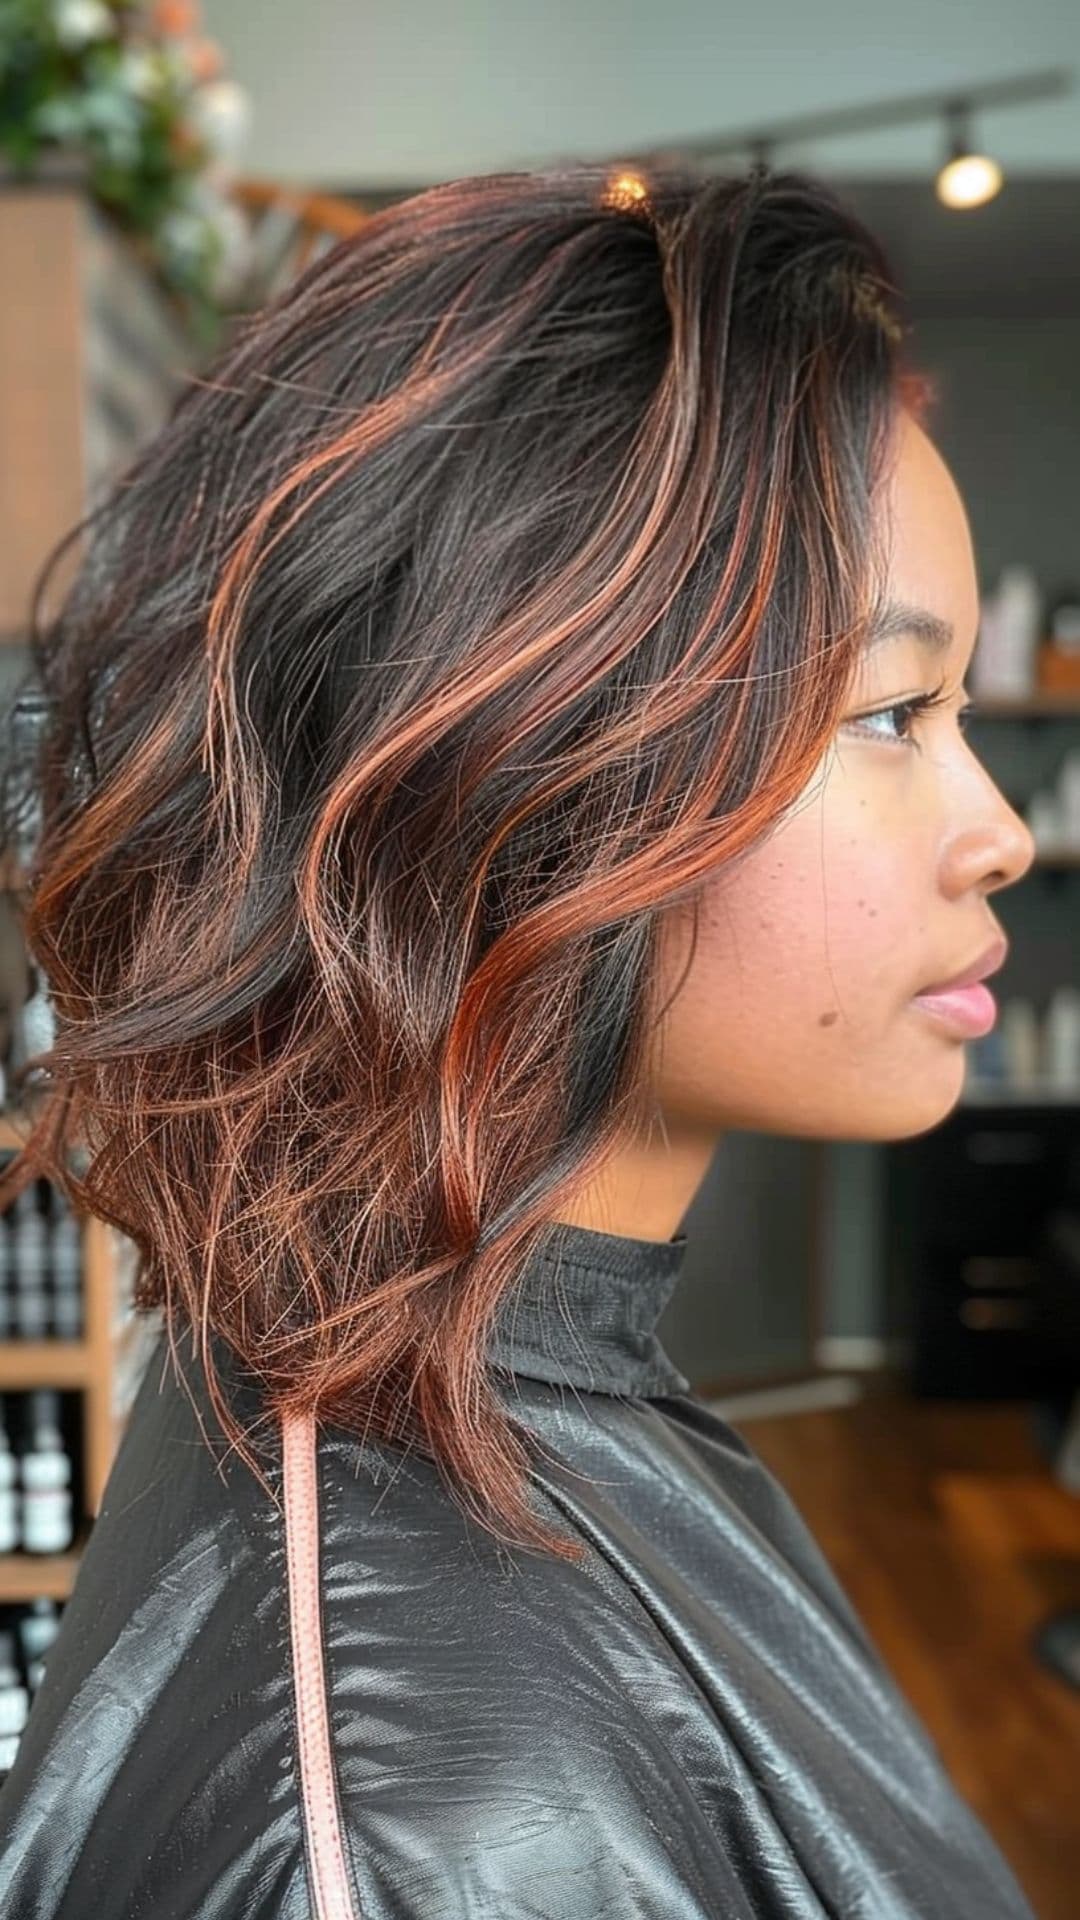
994,850
1018,847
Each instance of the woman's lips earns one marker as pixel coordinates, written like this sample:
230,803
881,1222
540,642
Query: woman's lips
965,1005
967,1010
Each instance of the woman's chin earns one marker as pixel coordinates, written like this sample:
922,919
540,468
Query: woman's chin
897,1101
922,1103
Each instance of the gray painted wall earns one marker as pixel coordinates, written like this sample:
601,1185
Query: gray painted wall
1008,422
740,1307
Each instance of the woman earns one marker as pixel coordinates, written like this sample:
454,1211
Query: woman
505,732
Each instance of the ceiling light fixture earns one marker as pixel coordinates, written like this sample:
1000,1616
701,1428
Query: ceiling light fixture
967,178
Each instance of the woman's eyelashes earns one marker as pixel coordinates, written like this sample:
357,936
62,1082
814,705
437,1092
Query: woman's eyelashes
907,712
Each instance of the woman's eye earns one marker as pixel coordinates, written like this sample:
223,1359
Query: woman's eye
899,717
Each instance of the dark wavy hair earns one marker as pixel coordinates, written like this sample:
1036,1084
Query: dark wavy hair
501,582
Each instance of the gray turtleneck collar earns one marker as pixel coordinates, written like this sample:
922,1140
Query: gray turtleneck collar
584,1310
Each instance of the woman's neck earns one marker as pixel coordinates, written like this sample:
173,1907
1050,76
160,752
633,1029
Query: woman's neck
645,1189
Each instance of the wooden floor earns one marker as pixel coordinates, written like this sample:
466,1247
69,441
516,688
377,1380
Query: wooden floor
946,1528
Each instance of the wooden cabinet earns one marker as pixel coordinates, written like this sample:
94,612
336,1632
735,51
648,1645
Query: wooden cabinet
96,1367
90,359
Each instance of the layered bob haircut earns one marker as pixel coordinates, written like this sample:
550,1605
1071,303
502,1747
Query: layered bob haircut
501,583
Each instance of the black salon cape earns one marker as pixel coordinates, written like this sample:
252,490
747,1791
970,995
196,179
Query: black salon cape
692,1722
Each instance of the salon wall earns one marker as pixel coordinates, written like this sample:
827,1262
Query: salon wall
1008,422
741,1307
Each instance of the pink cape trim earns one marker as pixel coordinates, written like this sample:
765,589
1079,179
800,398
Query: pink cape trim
328,1873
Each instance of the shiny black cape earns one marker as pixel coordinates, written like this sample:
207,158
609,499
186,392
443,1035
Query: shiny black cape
693,1722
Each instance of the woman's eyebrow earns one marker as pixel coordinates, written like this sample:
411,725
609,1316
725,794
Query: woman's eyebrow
898,618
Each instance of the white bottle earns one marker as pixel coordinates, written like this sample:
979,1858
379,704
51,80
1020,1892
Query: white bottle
30,1254
1003,663
985,672
67,1277
67,1251
14,1703
1043,815
1020,613
38,1018
1062,1049
9,1499
38,1628
45,1471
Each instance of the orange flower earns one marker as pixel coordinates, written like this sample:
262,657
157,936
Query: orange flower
205,60
176,17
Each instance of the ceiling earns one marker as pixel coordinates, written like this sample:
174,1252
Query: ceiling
381,92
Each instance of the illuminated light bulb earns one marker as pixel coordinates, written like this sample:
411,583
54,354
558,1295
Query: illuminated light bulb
969,180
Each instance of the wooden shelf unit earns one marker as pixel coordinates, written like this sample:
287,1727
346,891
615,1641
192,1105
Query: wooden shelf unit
86,1366
23,1576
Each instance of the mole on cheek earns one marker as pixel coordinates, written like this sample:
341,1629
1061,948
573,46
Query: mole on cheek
828,1019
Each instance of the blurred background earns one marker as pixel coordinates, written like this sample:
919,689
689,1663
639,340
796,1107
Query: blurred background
896,1328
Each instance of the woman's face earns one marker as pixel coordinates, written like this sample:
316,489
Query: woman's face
797,1015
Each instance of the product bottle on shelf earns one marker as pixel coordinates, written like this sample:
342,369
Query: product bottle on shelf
31,1263
38,1018
1059,654
1004,660
38,1627
45,1472
14,1702
67,1276
9,1499
1063,617
1044,817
